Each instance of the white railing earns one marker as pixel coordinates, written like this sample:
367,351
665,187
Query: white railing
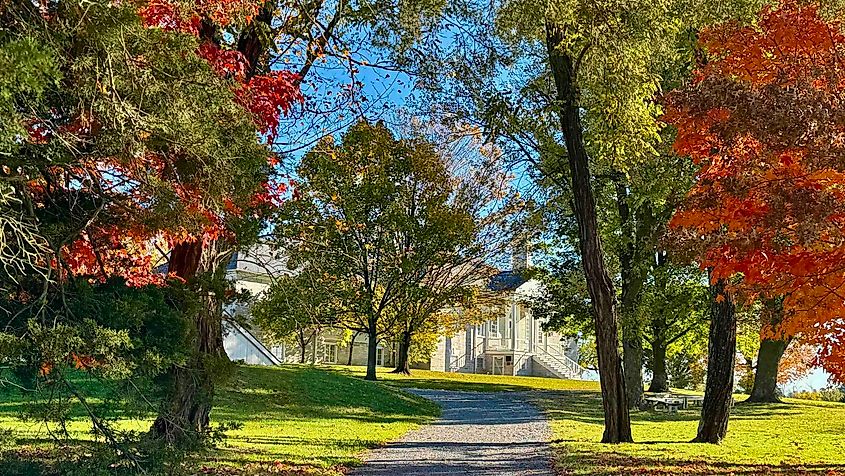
498,343
462,361
505,343
570,365
553,355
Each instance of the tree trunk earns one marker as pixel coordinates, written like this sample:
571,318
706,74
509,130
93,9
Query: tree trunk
659,334
252,42
351,348
659,375
372,346
721,357
303,346
185,416
632,281
632,364
617,423
766,376
193,385
403,364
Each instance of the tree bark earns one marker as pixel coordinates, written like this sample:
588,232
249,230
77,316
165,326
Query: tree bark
766,375
303,345
251,43
351,348
617,424
372,346
403,364
721,357
632,364
660,377
632,282
659,334
192,393
186,414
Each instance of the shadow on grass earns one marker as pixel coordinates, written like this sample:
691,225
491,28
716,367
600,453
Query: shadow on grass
69,457
11,466
64,460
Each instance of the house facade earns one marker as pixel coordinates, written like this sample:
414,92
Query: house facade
249,271
512,344
337,347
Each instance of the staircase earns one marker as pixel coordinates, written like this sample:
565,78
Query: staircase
466,363
560,365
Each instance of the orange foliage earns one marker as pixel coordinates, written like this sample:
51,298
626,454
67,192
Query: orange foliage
174,16
765,121
796,362
266,96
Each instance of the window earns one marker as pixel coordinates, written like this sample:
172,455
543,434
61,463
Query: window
540,335
508,360
331,353
510,329
494,328
380,356
479,330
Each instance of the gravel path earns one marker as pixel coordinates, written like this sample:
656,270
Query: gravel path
478,433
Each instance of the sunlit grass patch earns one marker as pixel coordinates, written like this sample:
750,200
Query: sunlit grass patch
790,439
471,382
290,420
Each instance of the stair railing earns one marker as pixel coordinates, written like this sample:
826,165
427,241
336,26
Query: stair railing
573,367
458,363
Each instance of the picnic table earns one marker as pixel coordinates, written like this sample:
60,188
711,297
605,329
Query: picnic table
672,402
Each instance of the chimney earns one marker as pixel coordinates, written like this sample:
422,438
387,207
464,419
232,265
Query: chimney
520,254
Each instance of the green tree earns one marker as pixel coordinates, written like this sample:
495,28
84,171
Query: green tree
297,307
672,310
605,62
385,217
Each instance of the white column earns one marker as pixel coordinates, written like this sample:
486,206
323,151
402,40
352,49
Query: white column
531,334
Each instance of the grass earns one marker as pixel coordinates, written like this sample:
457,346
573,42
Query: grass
318,422
795,438
302,417
470,382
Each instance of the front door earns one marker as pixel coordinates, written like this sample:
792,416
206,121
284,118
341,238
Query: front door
498,365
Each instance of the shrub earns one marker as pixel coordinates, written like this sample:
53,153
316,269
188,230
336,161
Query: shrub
831,394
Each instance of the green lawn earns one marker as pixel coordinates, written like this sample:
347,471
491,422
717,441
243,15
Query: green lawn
470,382
318,422
315,420
796,438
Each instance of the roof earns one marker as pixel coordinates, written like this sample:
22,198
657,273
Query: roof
506,281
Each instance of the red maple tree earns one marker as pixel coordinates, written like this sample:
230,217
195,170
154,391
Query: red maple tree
765,121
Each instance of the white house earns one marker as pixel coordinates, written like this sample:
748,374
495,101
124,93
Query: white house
250,271
512,344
